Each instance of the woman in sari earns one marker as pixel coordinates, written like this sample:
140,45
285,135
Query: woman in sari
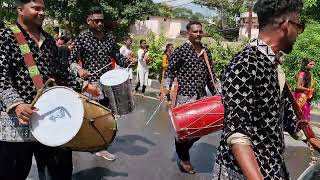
165,62
304,89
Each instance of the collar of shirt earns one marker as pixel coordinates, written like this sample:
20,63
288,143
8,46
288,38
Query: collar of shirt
42,34
202,51
267,51
264,48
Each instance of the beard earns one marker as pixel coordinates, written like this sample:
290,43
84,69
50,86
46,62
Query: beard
288,44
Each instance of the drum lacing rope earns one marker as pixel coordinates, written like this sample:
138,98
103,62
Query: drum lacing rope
208,126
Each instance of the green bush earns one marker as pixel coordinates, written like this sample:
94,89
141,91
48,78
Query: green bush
223,52
307,45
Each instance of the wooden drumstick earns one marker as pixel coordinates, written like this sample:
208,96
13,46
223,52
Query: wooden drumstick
155,112
101,68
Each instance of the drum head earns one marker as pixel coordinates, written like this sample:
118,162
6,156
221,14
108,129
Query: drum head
114,77
59,117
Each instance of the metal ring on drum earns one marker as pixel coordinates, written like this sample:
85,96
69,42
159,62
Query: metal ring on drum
117,87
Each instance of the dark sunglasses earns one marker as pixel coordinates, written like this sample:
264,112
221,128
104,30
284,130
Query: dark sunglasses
96,21
299,27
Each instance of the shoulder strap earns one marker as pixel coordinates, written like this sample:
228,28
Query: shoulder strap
33,70
210,71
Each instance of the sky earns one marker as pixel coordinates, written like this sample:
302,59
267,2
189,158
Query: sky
188,4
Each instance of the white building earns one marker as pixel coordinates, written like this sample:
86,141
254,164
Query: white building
171,27
244,26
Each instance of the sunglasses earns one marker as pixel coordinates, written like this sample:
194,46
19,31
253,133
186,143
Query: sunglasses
96,21
299,27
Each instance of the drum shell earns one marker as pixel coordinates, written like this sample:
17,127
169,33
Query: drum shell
120,97
97,131
198,118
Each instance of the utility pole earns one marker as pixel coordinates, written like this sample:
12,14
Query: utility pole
250,5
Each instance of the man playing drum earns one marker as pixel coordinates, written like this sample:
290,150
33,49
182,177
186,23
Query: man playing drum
188,65
17,90
95,49
256,99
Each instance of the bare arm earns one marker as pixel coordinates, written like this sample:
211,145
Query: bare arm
246,159
300,83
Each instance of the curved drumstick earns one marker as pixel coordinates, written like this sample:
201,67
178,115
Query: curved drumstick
154,112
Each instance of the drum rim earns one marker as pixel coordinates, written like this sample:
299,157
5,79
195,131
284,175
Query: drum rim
73,135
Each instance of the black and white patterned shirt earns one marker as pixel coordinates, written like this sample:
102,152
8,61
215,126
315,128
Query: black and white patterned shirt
254,107
190,70
17,87
96,53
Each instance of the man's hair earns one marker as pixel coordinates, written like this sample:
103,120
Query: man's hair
127,38
95,10
22,2
193,23
142,40
272,11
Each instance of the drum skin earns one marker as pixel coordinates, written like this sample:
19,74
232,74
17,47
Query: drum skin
98,129
198,118
117,87
72,121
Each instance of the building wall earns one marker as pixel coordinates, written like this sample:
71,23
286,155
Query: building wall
244,26
170,27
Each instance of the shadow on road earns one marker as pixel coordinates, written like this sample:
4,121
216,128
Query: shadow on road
202,157
133,145
97,173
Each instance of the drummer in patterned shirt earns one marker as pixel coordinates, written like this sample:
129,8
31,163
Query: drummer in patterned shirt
188,65
95,49
18,90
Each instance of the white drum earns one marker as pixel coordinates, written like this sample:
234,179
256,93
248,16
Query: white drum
117,88
59,118
311,173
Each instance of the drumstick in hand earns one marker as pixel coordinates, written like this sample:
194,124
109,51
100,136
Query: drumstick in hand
155,112
101,69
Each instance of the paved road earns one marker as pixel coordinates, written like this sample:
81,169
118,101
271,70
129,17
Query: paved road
147,152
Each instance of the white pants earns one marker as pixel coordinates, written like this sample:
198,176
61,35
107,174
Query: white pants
143,76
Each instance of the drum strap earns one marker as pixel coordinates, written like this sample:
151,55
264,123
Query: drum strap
28,58
210,71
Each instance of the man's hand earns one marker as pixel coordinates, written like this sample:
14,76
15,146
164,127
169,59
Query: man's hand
93,90
315,143
24,113
84,73
164,94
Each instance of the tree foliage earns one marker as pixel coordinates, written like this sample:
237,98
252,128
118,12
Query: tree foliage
72,13
227,10
178,12
311,11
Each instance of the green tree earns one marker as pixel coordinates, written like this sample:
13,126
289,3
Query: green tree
311,11
72,13
227,10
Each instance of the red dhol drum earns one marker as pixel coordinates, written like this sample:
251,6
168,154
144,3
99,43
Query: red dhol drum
198,118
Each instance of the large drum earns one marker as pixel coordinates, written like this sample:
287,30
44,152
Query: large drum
72,121
198,118
117,87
